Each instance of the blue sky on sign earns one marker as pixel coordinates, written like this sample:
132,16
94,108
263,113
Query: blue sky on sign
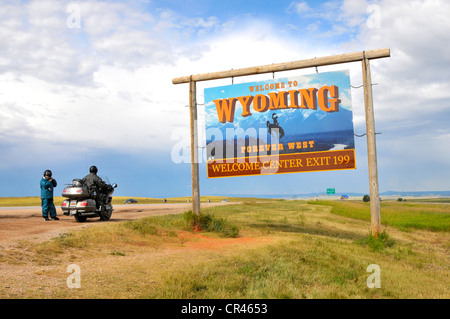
90,83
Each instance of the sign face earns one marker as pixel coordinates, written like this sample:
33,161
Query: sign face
286,125
331,191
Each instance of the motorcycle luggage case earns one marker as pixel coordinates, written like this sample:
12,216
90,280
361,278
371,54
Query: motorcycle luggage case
75,192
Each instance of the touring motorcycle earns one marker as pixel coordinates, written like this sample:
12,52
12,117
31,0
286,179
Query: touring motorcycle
83,203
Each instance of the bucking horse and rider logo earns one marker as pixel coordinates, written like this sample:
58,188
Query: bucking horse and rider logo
275,130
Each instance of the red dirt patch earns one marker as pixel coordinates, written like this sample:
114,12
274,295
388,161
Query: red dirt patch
197,241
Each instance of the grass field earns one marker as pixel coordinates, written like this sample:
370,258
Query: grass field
117,200
403,215
283,249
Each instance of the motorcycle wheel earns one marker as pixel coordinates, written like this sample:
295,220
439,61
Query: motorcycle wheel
80,219
105,214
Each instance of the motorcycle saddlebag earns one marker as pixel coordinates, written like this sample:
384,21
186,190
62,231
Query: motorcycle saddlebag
75,192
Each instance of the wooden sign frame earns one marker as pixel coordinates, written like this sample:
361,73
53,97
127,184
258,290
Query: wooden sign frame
363,56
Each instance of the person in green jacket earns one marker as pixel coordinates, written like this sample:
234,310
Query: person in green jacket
47,185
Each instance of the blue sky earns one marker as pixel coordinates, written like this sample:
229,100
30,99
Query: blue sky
90,83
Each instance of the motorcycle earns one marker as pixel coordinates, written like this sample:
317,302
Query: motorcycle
83,203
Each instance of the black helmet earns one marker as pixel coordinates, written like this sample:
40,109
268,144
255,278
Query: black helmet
48,173
93,169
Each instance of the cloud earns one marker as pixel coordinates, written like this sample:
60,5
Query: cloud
412,91
411,88
412,82
106,83
300,7
40,39
34,41
333,18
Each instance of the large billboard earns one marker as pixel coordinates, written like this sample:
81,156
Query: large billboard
286,125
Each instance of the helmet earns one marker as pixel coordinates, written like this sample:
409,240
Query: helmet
93,169
48,173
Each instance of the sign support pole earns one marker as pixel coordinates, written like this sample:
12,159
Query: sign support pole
371,150
194,148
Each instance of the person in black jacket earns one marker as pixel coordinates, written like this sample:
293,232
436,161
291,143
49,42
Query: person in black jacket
95,184
92,180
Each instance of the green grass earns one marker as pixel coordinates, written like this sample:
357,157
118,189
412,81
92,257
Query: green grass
210,223
316,255
428,200
284,249
377,243
402,215
283,271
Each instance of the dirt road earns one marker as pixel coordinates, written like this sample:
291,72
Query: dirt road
26,223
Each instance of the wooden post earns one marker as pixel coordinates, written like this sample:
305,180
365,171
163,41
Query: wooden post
194,148
371,150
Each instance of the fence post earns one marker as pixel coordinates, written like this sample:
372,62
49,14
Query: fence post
194,148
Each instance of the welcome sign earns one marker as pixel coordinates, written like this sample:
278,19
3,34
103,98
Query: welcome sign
287,125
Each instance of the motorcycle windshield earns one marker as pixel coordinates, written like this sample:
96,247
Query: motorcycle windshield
105,179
